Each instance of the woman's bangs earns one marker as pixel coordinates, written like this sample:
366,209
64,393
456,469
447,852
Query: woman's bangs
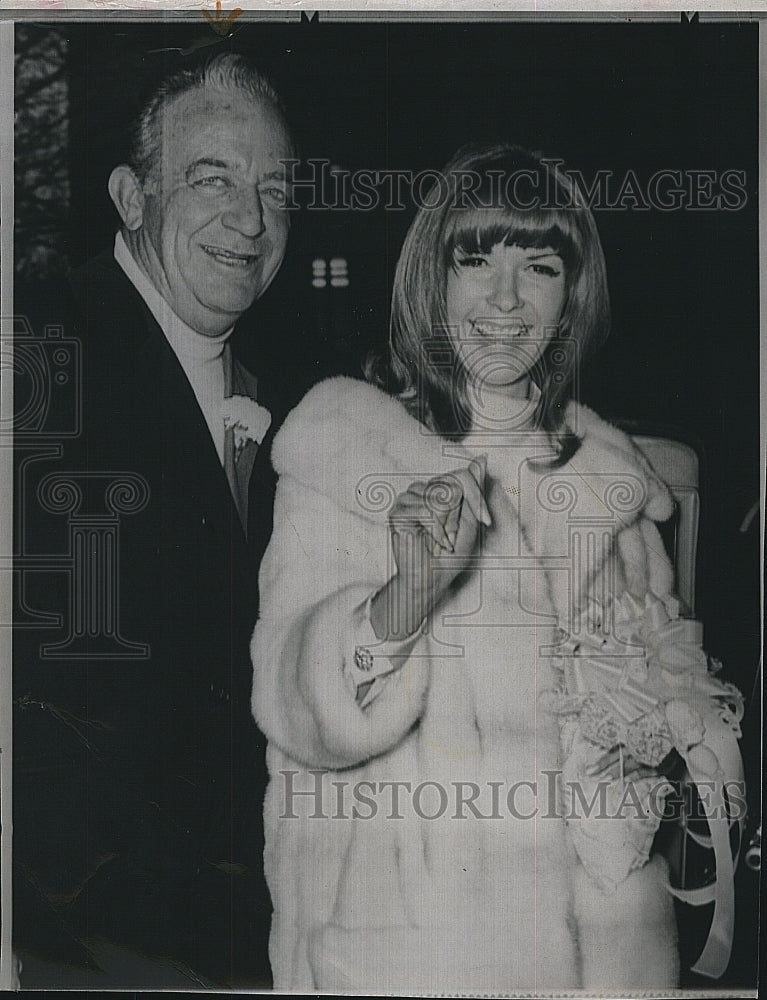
478,230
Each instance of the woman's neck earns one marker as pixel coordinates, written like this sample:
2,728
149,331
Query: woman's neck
504,408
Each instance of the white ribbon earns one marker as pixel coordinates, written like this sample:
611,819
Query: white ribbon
672,677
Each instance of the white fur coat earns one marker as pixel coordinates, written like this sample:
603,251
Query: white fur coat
378,895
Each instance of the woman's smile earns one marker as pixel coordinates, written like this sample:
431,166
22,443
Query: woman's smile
503,308
499,330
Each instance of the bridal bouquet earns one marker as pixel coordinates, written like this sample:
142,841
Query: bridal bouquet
635,686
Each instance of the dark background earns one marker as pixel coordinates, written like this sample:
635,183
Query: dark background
684,351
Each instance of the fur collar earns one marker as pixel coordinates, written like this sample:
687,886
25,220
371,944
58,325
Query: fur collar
346,430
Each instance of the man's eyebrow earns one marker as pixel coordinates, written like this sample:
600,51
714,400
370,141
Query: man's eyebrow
206,161
274,175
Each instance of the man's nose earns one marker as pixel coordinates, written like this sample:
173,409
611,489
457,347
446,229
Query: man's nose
503,293
246,213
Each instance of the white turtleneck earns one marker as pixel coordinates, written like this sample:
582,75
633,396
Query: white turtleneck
198,355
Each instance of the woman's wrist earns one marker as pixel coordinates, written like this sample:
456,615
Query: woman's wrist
396,613
377,654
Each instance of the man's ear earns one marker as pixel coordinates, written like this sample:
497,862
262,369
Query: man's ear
128,196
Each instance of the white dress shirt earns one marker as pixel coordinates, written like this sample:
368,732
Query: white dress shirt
199,356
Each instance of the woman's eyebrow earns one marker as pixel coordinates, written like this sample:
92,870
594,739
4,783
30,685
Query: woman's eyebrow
545,253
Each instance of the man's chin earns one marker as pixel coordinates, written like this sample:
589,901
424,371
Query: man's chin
229,307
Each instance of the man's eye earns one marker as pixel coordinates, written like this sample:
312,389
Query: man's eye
275,194
212,181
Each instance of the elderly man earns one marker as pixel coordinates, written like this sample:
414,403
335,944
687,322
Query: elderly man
139,770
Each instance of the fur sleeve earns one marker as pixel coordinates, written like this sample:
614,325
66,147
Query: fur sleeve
321,564
644,562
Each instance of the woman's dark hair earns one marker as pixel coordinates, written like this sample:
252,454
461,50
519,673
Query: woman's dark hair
488,195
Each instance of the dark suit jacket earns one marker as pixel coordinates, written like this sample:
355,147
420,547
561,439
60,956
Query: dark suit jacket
138,780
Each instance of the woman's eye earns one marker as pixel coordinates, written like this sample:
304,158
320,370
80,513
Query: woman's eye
546,270
471,260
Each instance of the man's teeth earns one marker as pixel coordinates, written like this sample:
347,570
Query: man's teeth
227,257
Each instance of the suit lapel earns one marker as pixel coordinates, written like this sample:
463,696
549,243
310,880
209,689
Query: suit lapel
169,408
238,381
229,448
184,448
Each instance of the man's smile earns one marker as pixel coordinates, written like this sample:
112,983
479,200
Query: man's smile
229,257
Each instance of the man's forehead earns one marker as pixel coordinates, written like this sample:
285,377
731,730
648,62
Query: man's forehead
207,122
209,100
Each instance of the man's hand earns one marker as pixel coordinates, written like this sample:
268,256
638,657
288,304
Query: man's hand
434,527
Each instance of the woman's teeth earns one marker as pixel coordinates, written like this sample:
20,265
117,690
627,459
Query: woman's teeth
500,330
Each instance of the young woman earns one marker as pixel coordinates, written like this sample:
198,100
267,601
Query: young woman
465,724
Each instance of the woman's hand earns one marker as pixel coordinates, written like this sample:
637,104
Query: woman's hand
434,527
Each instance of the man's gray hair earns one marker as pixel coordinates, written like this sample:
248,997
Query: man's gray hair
227,72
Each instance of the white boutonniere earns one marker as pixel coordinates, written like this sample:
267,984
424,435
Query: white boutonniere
249,421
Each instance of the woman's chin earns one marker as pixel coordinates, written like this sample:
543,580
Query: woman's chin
513,386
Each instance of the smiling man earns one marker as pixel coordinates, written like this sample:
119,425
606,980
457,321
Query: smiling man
203,215
139,769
